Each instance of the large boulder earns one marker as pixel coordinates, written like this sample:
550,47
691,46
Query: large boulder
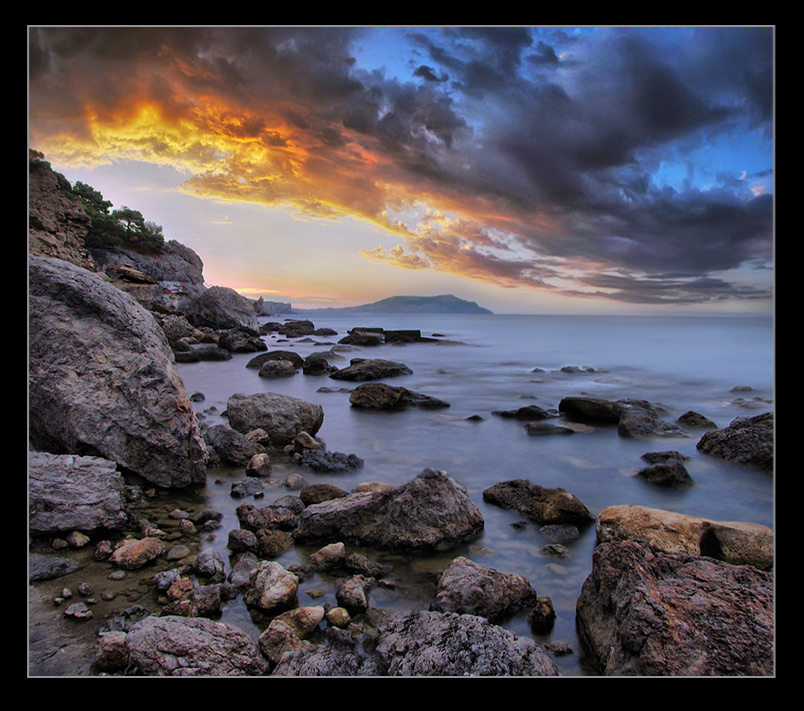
220,307
431,512
736,542
644,613
192,646
422,644
68,493
102,381
231,446
281,416
747,440
542,504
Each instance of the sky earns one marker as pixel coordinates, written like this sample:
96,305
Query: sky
529,169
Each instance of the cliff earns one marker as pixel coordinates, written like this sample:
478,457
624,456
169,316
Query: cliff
60,226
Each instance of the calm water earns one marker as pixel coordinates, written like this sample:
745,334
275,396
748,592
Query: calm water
681,363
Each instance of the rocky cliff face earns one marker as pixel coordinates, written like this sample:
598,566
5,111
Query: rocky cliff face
172,278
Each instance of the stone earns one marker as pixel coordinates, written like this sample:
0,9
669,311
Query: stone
192,646
542,504
361,369
270,587
469,588
232,447
431,512
133,554
102,381
747,440
643,613
380,396
67,492
220,307
282,417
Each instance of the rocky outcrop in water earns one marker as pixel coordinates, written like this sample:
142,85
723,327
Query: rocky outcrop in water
361,369
281,416
379,396
102,379
747,440
542,504
431,512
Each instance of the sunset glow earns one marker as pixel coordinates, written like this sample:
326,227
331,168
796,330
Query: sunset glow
291,164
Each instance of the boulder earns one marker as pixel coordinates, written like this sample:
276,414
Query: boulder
238,340
317,460
231,446
747,440
547,506
634,418
102,381
361,369
67,493
422,644
270,587
192,646
380,396
133,554
468,588
278,369
431,512
281,416
642,613
736,542
220,307
259,361
669,473
527,412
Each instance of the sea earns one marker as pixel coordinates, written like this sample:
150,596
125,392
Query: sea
719,366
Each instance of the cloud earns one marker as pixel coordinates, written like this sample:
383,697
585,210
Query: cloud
541,146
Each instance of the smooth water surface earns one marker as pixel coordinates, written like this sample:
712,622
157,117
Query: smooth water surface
492,362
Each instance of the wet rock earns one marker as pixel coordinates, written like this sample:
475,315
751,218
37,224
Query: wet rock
317,364
328,462
642,613
270,587
538,503
112,652
670,473
278,369
231,446
272,543
259,361
466,587
250,486
238,340
329,557
281,416
543,615
536,429
192,646
696,421
259,465
133,554
99,367
736,542
591,409
242,540
352,593
67,492
380,396
528,412
361,369
747,440
209,564
316,493
433,511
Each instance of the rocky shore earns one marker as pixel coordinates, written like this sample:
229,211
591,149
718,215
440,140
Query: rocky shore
112,428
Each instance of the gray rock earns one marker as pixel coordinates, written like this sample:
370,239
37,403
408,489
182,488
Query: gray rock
468,588
380,396
281,416
102,381
192,646
431,512
220,307
67,493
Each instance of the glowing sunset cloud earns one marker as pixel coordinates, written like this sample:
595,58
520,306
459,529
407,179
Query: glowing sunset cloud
516,157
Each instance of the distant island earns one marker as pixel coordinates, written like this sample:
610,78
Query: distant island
444,304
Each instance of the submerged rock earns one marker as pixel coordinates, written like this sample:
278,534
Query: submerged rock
360,369
747,440
380,396
538,503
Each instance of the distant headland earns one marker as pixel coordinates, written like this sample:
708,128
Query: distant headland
443,304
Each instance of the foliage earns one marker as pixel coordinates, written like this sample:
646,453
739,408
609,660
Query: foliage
109,228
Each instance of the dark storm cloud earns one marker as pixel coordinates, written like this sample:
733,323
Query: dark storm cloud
555,132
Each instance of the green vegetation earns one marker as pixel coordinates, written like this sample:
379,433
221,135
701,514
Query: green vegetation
109,228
